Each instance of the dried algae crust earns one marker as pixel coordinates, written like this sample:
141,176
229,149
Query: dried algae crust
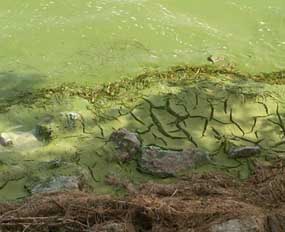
206,107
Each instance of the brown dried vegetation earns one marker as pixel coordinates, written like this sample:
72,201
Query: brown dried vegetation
194,203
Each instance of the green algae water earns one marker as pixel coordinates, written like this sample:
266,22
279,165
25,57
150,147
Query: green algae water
110,62
103,40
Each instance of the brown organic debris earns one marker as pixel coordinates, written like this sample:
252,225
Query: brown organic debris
202,202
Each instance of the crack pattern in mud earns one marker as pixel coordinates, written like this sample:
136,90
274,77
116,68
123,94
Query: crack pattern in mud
211,109
192,117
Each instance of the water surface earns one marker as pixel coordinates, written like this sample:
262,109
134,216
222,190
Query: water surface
49,42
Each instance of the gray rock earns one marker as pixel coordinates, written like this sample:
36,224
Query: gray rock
55,184
244,152
165,163
110,227
251,224
72,120
127,143
215,59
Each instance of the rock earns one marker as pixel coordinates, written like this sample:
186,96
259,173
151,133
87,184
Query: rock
251,224
52,164
127,143
244,152
215,59
59,183
5,140
19,140
112,227
46,128
50,125
165,163
72,120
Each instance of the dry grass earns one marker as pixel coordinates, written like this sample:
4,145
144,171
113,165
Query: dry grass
193,204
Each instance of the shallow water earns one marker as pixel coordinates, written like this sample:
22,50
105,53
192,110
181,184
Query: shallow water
49,42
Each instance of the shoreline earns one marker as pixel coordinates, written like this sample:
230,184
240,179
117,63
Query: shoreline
67,129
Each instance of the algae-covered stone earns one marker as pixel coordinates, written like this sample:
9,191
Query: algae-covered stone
164,163
45,130
55,184
53,164
50,125
244,152
72,120
127,143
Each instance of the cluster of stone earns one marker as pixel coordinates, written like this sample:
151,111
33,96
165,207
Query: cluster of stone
155,160
166,162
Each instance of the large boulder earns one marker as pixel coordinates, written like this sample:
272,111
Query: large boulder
165,163
127,143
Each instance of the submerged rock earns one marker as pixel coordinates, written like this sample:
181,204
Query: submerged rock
127,143
59,183
244,152
251,224
165,163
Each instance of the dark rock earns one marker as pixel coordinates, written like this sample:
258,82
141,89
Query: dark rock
127,143
244,152
46,128
52,164
251,224
165,163
59,183
50,125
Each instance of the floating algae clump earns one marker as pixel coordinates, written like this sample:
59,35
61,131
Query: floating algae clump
206,108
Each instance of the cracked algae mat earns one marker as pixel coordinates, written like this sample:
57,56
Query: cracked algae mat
206,107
